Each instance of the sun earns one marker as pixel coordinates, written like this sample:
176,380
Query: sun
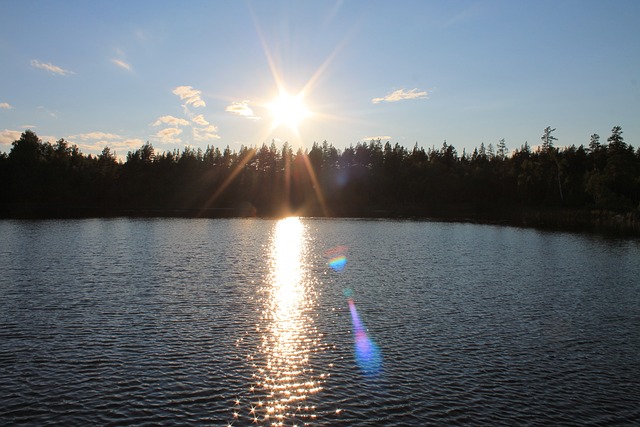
288,110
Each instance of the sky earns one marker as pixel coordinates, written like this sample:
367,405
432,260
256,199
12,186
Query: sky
210,73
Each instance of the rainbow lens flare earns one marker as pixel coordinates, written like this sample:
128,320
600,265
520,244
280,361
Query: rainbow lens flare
338,263
337,257
367,353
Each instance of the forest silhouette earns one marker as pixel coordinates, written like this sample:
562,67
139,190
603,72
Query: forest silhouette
556,186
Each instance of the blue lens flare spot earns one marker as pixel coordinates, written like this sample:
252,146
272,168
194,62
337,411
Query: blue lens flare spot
337,258
338,263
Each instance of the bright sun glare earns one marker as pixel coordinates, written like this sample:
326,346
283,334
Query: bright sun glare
288,110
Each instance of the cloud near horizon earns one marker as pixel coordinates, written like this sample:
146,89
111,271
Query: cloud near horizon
95,135
54,69
116,146
375,138
96,141
190,96
169,135
6,106
401,95
7,136
205,134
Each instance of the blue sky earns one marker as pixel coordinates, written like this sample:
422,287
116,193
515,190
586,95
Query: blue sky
200,73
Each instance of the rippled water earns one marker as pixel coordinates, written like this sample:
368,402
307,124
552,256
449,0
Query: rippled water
245,322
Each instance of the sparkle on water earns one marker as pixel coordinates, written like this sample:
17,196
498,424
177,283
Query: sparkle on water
289,338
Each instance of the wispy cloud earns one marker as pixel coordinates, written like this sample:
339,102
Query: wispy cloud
242,108
96,141
50,68
169,135
129,143
200,120
375,138
190,96
6,106
120,63
401,95
205,134
201,129
50,113
170,120
96,135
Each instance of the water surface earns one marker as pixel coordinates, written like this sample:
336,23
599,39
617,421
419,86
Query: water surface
244,322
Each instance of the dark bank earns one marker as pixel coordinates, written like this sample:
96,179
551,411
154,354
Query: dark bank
593,188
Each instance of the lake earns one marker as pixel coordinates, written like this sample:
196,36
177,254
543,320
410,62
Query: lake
251,322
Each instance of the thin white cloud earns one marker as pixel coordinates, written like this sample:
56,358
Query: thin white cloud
126,144
130,143
190,96
169,135
50,113
50,68
401,95
375,138
28,126
96,135
6,106
200,120
120,63
205,134
141,35
242,108
170,120
117,146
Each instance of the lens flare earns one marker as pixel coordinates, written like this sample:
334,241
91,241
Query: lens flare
367,353
337,257
338,263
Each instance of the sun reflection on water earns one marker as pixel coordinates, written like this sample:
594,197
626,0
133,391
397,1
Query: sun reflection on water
284,377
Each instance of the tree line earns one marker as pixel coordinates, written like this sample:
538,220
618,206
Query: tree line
368,179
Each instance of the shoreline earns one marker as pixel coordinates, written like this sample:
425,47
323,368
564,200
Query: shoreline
598,221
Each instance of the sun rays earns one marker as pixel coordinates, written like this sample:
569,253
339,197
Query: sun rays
291,111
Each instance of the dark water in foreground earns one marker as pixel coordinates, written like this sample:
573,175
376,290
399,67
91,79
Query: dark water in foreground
243,322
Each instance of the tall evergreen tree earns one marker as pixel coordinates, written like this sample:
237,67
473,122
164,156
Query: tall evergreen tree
547,139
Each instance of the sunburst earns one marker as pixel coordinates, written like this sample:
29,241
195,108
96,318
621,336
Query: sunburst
288,110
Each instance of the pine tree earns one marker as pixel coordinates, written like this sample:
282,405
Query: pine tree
547,139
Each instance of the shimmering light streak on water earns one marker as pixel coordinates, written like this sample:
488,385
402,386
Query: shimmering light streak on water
367,353
289,338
